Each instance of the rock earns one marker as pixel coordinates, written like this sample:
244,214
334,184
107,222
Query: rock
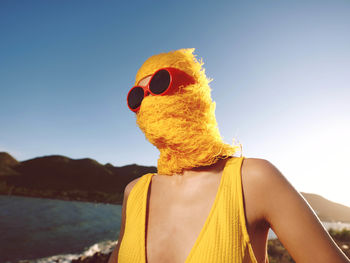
98,257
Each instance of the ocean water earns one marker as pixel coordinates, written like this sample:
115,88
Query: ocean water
36,228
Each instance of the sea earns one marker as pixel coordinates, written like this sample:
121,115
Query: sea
38,230
48,230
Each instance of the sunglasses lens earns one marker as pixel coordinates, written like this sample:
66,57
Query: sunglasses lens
135,97
160,82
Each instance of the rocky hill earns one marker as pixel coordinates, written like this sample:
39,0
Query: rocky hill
6,162
61,177
327,210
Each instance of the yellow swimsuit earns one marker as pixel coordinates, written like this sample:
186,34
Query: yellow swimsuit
223,238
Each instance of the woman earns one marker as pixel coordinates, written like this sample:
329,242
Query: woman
205,204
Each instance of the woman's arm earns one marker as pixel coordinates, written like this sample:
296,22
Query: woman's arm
291,218
114,256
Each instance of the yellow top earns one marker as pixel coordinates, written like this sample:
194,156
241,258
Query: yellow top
224,236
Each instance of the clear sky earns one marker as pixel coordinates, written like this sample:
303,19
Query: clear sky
281,73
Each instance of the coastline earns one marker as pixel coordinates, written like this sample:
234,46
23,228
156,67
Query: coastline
276,251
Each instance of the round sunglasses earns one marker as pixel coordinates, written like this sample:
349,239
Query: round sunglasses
162,82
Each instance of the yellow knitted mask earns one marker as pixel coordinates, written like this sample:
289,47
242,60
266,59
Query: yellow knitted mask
181,125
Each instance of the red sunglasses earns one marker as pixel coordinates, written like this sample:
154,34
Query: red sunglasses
161,83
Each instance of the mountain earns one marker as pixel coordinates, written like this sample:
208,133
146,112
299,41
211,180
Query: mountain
6,164
61,177
328,210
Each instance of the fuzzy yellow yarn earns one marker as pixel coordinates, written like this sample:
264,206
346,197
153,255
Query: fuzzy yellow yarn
182,125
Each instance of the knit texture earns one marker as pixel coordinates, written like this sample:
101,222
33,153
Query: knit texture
223,238
182,125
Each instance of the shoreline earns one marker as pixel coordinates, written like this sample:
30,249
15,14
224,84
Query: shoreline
100,254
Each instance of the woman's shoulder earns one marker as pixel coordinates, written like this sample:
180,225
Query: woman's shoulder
254,164
132,183
266,190
258,170
262,183
260,175
130,186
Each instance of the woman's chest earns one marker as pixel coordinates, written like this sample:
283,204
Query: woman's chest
175,219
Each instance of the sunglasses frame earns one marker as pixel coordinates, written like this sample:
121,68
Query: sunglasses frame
177,78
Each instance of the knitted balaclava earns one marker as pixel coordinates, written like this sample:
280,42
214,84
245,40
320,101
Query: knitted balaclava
182,125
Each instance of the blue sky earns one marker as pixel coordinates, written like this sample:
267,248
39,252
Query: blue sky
280,70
